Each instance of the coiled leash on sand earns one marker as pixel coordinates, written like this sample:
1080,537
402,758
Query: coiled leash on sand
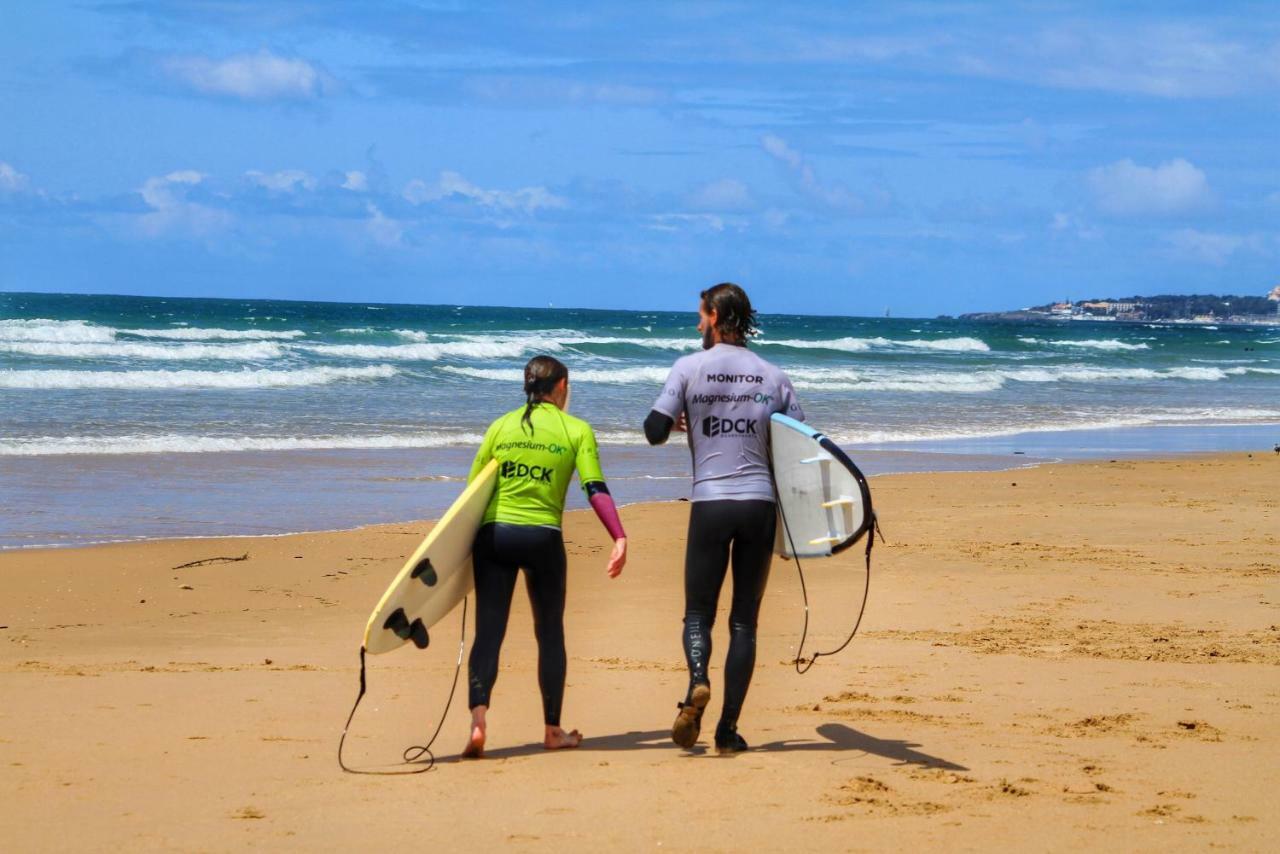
414,752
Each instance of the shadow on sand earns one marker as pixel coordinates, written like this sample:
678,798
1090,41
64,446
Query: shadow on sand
836,738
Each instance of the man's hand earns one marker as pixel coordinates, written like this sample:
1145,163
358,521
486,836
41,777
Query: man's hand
682,424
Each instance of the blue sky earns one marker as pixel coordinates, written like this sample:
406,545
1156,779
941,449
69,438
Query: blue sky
831,157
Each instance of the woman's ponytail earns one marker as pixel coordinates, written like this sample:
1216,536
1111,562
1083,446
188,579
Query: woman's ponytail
541,375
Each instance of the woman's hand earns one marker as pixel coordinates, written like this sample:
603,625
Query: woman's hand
618,557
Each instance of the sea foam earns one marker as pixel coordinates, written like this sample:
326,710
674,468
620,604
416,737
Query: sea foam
244,379
195,333
127,350
1110,344
185,444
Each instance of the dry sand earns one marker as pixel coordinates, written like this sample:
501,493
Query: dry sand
1072,656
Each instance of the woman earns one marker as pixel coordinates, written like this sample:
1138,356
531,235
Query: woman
538,446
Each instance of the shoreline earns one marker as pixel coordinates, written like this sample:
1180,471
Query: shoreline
398,486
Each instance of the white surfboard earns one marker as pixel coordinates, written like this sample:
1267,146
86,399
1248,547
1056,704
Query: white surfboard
824,503
436,576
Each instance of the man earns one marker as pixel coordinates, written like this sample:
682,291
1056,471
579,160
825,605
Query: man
722,398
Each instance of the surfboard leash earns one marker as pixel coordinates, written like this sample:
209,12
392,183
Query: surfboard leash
801,664
414,752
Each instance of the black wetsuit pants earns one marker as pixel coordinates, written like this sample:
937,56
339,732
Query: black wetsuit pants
501,550
724,533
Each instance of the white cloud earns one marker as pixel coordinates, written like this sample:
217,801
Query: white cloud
261,76
1166,61
727,194
451,184
834,196
171,211
355,181
541,90
383,229
11,180
1125,188
1160,60
1065,223
286,181
679,222
1209,247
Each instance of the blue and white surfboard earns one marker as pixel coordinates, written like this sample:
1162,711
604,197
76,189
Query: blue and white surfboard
824,502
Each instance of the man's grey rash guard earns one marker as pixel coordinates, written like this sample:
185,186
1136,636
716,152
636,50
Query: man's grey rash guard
728,394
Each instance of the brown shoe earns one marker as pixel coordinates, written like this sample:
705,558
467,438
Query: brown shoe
688,723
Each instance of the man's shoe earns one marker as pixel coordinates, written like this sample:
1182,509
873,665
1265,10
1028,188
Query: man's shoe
728,740
688,723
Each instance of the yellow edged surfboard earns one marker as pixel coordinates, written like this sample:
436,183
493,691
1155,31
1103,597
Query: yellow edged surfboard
436,576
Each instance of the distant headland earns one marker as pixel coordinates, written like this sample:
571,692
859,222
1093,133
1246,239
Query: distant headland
1165,308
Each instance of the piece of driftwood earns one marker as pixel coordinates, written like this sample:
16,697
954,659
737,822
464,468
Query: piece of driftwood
209,560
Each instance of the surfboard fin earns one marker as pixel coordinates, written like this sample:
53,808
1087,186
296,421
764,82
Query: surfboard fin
399,625
425,572
838,502
820,458
821,540
418,634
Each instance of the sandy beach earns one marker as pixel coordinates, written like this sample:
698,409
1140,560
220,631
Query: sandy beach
1077,655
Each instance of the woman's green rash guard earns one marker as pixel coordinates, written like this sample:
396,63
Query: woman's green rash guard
534,469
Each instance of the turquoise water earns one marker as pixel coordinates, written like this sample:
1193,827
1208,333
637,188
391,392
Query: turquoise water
123,417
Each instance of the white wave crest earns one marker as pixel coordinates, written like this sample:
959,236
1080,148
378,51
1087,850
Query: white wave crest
1087,374
956,345
183,444
126,350
848,345
66,331
1110,344
432,352
195,333
1097,421
916,383
412,335
244,379
622,376
860,345
651,343
976,382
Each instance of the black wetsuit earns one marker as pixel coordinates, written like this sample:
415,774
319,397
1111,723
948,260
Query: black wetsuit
723,534
500,551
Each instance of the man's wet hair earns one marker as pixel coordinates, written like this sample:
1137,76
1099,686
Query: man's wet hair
735,318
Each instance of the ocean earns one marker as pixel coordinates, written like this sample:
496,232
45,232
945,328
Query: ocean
127,417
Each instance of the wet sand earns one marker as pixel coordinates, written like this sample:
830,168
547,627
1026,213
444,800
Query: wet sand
1075,655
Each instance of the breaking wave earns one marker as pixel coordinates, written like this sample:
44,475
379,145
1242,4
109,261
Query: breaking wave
244,379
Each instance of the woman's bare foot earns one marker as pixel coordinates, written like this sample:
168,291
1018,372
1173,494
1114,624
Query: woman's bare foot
557,738
475,745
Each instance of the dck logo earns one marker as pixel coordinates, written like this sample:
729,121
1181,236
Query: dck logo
510,469
713,426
